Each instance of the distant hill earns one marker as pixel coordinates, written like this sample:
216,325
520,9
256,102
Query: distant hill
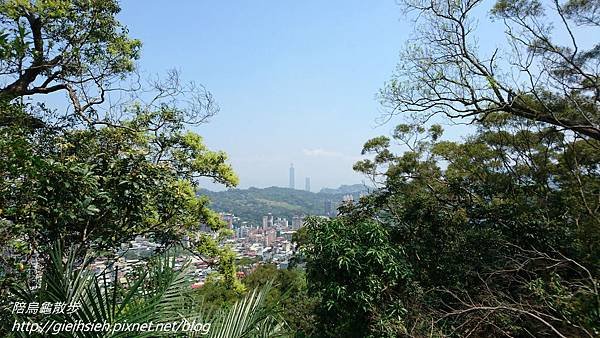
253,203
346,189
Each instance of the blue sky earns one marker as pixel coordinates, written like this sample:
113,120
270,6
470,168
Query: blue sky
296,80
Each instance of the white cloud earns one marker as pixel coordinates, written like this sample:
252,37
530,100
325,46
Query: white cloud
319,152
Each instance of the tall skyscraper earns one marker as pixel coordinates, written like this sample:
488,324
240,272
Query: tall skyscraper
307,184
292,182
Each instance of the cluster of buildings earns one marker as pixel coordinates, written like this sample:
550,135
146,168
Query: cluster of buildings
269,242
132,256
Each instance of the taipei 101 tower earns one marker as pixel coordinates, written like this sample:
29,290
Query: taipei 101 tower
292,182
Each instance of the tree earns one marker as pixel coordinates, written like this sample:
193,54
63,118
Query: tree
499,233
357,274
548,73
105,186
95,174
78,47
493,236
289,297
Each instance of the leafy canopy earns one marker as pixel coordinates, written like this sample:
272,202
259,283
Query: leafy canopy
488,236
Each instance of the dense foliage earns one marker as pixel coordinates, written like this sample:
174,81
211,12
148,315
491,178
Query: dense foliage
102,186
288,297
356,270
91,174
159,294
495,235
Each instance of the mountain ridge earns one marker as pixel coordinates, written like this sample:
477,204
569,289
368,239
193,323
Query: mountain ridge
251,204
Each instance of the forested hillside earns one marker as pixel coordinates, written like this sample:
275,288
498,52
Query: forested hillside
253,203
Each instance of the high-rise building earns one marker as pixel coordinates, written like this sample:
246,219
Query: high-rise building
281,222
267,221
307,184
292,182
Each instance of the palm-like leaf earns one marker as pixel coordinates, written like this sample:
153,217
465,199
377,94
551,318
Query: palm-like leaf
248,317
158,295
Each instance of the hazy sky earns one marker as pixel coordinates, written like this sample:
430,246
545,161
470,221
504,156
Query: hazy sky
296,80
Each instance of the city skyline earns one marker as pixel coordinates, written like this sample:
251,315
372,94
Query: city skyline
280,102
292,179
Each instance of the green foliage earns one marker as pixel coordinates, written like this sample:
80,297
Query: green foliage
102,187
288,297
357,272
157,295
216,296
160,293
89,176
66,43
253,203
497,230
249,317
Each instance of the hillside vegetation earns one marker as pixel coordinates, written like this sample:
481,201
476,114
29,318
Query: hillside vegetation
253,203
